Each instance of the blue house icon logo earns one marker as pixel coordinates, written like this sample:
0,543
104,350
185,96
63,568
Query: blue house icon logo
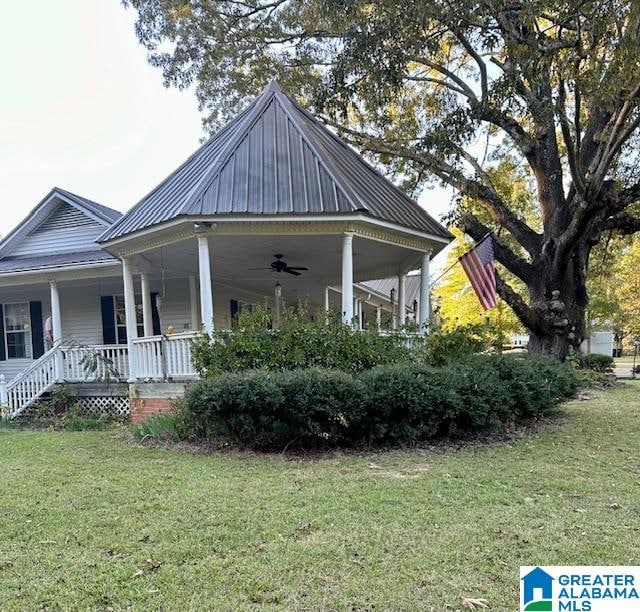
537,589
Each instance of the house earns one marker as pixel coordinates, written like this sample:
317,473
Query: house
274,204
537,590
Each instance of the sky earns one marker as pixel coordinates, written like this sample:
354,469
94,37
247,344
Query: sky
81,109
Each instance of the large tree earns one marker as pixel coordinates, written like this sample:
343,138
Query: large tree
445,89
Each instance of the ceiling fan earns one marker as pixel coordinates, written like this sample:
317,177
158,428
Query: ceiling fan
281,266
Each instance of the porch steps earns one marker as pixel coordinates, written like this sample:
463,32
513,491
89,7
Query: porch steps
26,389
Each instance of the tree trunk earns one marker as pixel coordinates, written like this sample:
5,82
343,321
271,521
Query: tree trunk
560,302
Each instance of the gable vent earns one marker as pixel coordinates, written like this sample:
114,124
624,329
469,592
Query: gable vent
65,216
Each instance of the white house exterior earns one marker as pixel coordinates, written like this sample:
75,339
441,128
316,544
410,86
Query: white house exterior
137,287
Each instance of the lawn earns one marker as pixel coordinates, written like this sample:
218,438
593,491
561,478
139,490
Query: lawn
88,522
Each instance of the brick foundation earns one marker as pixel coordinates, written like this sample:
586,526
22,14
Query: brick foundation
142,409
149,399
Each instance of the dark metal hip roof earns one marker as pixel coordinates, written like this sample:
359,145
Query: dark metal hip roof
275,159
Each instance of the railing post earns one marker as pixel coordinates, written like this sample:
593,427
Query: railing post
163,356
4,396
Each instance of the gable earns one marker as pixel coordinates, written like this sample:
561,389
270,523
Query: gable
65,230
65,217
61,223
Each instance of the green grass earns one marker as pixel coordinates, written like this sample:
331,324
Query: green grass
87,522
626,359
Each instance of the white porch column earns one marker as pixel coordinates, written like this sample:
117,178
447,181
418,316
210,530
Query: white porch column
193,301
347,279
147,317
130,316
206,286
56,326
326,298
423,321
402,302
378,317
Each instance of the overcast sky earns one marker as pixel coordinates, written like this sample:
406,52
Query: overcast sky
82,109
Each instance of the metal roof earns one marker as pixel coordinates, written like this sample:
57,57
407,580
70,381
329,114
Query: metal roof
108,214
274,158
384,286
43,262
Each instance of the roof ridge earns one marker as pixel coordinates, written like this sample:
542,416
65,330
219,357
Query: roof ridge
322,157
172,174
254,111
361,160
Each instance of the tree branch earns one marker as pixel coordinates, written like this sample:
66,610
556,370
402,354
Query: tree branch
623,222
524,312
469,224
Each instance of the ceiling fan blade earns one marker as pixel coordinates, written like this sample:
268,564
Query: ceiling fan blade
291,271
259,268
296,268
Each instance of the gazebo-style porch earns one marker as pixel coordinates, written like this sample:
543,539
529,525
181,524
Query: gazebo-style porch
222,266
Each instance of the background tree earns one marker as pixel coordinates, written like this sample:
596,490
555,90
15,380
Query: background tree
429,86
614,286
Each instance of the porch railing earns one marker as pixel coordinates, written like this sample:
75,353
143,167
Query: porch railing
29,385
165,357
95,363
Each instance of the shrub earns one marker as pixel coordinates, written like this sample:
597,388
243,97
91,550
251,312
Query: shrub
298,343
444,347
272,410
595,362
397,404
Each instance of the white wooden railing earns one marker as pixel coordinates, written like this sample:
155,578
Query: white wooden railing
62,363
95,363
29,385
165,357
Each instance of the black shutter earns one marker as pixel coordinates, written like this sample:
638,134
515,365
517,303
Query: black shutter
235,309
155,315
3,352
108,320
37,329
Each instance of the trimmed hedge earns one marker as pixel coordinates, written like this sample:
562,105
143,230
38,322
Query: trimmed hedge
401,404
595,362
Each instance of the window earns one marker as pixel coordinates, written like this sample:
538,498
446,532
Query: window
17,326
121,321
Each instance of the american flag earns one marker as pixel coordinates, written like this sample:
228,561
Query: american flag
478,264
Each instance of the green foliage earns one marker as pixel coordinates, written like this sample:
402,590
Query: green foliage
396,404
80,423
299,342
168,426
595,362
271,410
446,346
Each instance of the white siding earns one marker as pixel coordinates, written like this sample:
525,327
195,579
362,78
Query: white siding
82,315
66,230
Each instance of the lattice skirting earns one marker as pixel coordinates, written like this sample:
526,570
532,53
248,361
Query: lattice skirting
97,407
104,406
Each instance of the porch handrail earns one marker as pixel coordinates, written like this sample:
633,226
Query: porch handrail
34,366
30,384
74,369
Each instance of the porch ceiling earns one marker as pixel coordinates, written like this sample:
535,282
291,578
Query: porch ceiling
234,257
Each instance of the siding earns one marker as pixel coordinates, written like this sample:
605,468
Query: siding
66,230
81,312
